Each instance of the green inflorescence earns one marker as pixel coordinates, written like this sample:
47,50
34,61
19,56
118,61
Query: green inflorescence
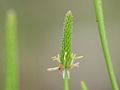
66,57
66,41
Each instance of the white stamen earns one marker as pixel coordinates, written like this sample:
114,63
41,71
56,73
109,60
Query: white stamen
79,57
77,64
53,69
64,72
56,58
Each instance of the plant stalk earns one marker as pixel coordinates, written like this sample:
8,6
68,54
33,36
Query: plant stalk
11,77
83,86
104,43
66,81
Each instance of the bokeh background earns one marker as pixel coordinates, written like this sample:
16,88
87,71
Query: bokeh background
40,26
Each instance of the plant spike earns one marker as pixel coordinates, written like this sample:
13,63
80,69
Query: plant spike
66,40
66,58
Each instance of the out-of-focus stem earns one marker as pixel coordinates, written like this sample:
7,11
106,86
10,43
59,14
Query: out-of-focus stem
11,77
83,86
104,43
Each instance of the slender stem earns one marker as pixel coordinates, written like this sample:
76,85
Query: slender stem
66,81
104,43
11,77
83,86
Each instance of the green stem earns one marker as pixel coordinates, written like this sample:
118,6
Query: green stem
11,82
66,81
83,86
102,33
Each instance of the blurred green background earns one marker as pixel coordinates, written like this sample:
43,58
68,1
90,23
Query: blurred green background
40,26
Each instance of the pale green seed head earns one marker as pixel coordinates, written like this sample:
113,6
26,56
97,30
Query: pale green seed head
66,40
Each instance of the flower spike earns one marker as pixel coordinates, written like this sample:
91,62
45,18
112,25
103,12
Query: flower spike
66,58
